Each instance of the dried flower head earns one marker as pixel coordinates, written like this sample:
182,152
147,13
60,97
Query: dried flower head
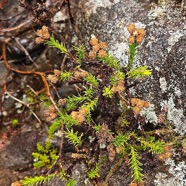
57,72
62,102
139,39
104,135
80,74
17,183
138,104
103,45
39,40
118,150
141,32
96,48
80,115
136,110
92,54
131,39
133,184
167,154
93,41
52,78
43,33
119,87
50,114
137,34
102,53
131,28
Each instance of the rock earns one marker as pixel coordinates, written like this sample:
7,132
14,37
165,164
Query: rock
163,49
7,177
18,154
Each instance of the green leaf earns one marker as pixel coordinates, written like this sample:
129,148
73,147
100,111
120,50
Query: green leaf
32,181
154,146
120,140
135,165
139,72
90,79
80,53
107,92
118,75
65,76
71,182
73,138
110,61
132,54
55,44
94,172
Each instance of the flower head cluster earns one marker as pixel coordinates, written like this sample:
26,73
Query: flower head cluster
50,113
119,87
98,48
137,34
80,74
43,35
62,102
138,104
167,153
80,115
54,78
104,135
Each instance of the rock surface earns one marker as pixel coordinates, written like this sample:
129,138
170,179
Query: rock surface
163,49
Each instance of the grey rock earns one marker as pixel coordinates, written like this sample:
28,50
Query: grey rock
163,49
7,177
18,154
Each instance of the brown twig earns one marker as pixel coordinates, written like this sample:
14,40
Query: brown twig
26,52
16,27
41,74
25,104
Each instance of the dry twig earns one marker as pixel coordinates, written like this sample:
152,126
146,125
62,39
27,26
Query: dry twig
41,74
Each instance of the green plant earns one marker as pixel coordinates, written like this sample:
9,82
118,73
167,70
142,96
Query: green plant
94,172
55,44
15,122
45,156
73,138
135,165
107,92
65,76
80,53
101,107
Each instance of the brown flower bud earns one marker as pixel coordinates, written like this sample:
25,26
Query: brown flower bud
94,41
57,72
62,102
96,47
141,32
52,78
131,28
131,39
139,39
92,54
103,45
102,53
39,40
